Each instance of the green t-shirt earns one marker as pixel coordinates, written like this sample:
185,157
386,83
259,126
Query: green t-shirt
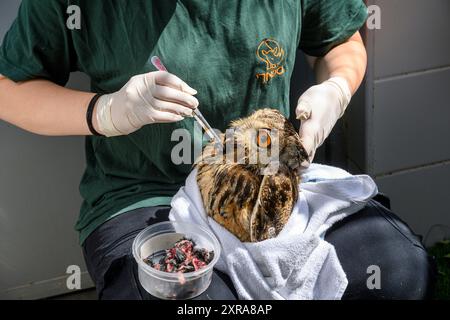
238,54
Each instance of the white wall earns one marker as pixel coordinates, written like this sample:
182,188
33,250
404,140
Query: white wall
402,137
39,203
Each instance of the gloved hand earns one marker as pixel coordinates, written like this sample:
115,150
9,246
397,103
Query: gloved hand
319,108
154,97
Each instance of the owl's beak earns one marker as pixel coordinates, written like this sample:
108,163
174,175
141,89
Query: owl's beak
302,152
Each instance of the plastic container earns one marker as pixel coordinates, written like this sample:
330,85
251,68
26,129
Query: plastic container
171,286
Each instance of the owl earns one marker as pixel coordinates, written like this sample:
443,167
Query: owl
251,184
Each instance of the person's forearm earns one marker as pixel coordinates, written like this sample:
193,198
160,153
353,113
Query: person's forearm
348,60
42,107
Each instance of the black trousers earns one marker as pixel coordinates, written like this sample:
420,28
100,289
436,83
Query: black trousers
372,237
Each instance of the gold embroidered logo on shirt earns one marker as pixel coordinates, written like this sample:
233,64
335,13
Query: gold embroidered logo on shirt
272,54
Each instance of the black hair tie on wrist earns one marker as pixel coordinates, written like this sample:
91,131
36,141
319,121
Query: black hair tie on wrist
89,114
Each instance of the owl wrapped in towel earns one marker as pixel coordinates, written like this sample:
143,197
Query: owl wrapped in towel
251,185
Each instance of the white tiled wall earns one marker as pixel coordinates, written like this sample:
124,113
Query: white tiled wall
420,196
412,120
402,134
414,36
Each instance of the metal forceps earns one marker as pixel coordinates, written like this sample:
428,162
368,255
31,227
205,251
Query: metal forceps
196,113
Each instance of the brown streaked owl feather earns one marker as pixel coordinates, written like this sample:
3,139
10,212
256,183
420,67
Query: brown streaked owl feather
253,199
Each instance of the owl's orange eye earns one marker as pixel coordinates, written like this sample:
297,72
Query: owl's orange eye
263,139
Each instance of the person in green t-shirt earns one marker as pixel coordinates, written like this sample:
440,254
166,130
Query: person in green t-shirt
227,58
218,56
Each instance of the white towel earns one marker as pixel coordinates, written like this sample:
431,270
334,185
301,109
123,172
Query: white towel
298,263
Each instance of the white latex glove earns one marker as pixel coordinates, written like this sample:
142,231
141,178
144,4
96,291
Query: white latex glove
154,97
319,108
